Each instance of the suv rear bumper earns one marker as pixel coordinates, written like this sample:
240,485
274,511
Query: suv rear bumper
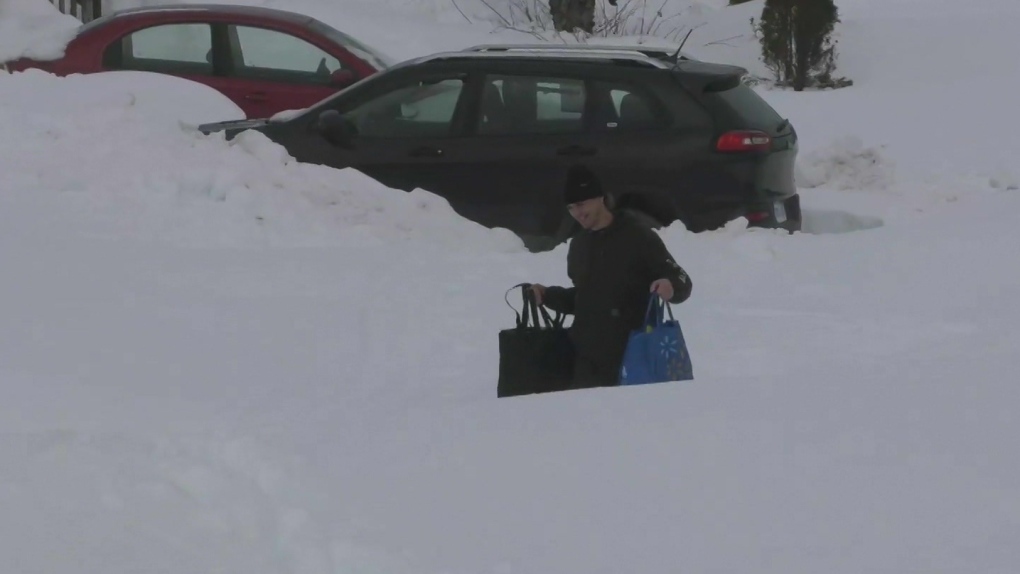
783,213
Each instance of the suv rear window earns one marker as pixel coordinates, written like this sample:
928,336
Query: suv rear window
751,109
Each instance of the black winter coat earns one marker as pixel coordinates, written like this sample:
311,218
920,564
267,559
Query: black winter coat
612,271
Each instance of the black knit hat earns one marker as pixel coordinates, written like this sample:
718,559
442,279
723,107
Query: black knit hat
582,184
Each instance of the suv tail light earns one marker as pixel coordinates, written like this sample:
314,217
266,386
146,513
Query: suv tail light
756,216
744,141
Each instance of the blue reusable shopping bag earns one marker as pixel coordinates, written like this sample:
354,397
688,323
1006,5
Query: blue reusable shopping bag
657,352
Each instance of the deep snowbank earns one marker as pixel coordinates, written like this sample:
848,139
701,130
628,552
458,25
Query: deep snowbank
129,154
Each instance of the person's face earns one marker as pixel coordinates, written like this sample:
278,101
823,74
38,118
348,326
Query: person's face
589,212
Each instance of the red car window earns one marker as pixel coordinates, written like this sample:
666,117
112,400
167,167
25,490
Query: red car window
261,53
170,48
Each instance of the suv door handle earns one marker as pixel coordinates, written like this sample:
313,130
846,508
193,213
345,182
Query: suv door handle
573,150
426,151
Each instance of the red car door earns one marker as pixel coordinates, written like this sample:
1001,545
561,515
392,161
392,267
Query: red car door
183,49
271,70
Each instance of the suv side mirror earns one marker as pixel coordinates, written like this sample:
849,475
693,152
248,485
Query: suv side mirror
336,129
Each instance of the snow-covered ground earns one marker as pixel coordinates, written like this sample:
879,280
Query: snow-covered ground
214,359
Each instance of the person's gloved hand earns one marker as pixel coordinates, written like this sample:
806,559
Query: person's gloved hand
663,288
538,291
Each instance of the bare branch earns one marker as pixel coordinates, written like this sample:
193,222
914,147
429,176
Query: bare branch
532,32
454,2
628,17
725,40
506,22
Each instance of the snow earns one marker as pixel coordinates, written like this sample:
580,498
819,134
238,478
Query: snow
845,164
34,29
215,359
160,179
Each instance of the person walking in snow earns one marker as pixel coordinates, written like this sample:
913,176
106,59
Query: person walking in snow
614,265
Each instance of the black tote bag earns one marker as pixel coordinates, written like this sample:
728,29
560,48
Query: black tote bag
534,357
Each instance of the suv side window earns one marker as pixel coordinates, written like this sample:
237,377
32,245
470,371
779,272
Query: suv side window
623,107
169,49
263,54
690,114
526,105
418,108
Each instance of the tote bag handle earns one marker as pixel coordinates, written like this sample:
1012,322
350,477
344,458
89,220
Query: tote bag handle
532,308
656,304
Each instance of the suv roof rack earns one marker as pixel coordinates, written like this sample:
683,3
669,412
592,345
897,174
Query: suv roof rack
517,51
663,54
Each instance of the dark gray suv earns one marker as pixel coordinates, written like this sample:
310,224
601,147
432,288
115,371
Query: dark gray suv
493,129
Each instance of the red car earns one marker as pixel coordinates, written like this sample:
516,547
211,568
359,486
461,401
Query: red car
265,60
